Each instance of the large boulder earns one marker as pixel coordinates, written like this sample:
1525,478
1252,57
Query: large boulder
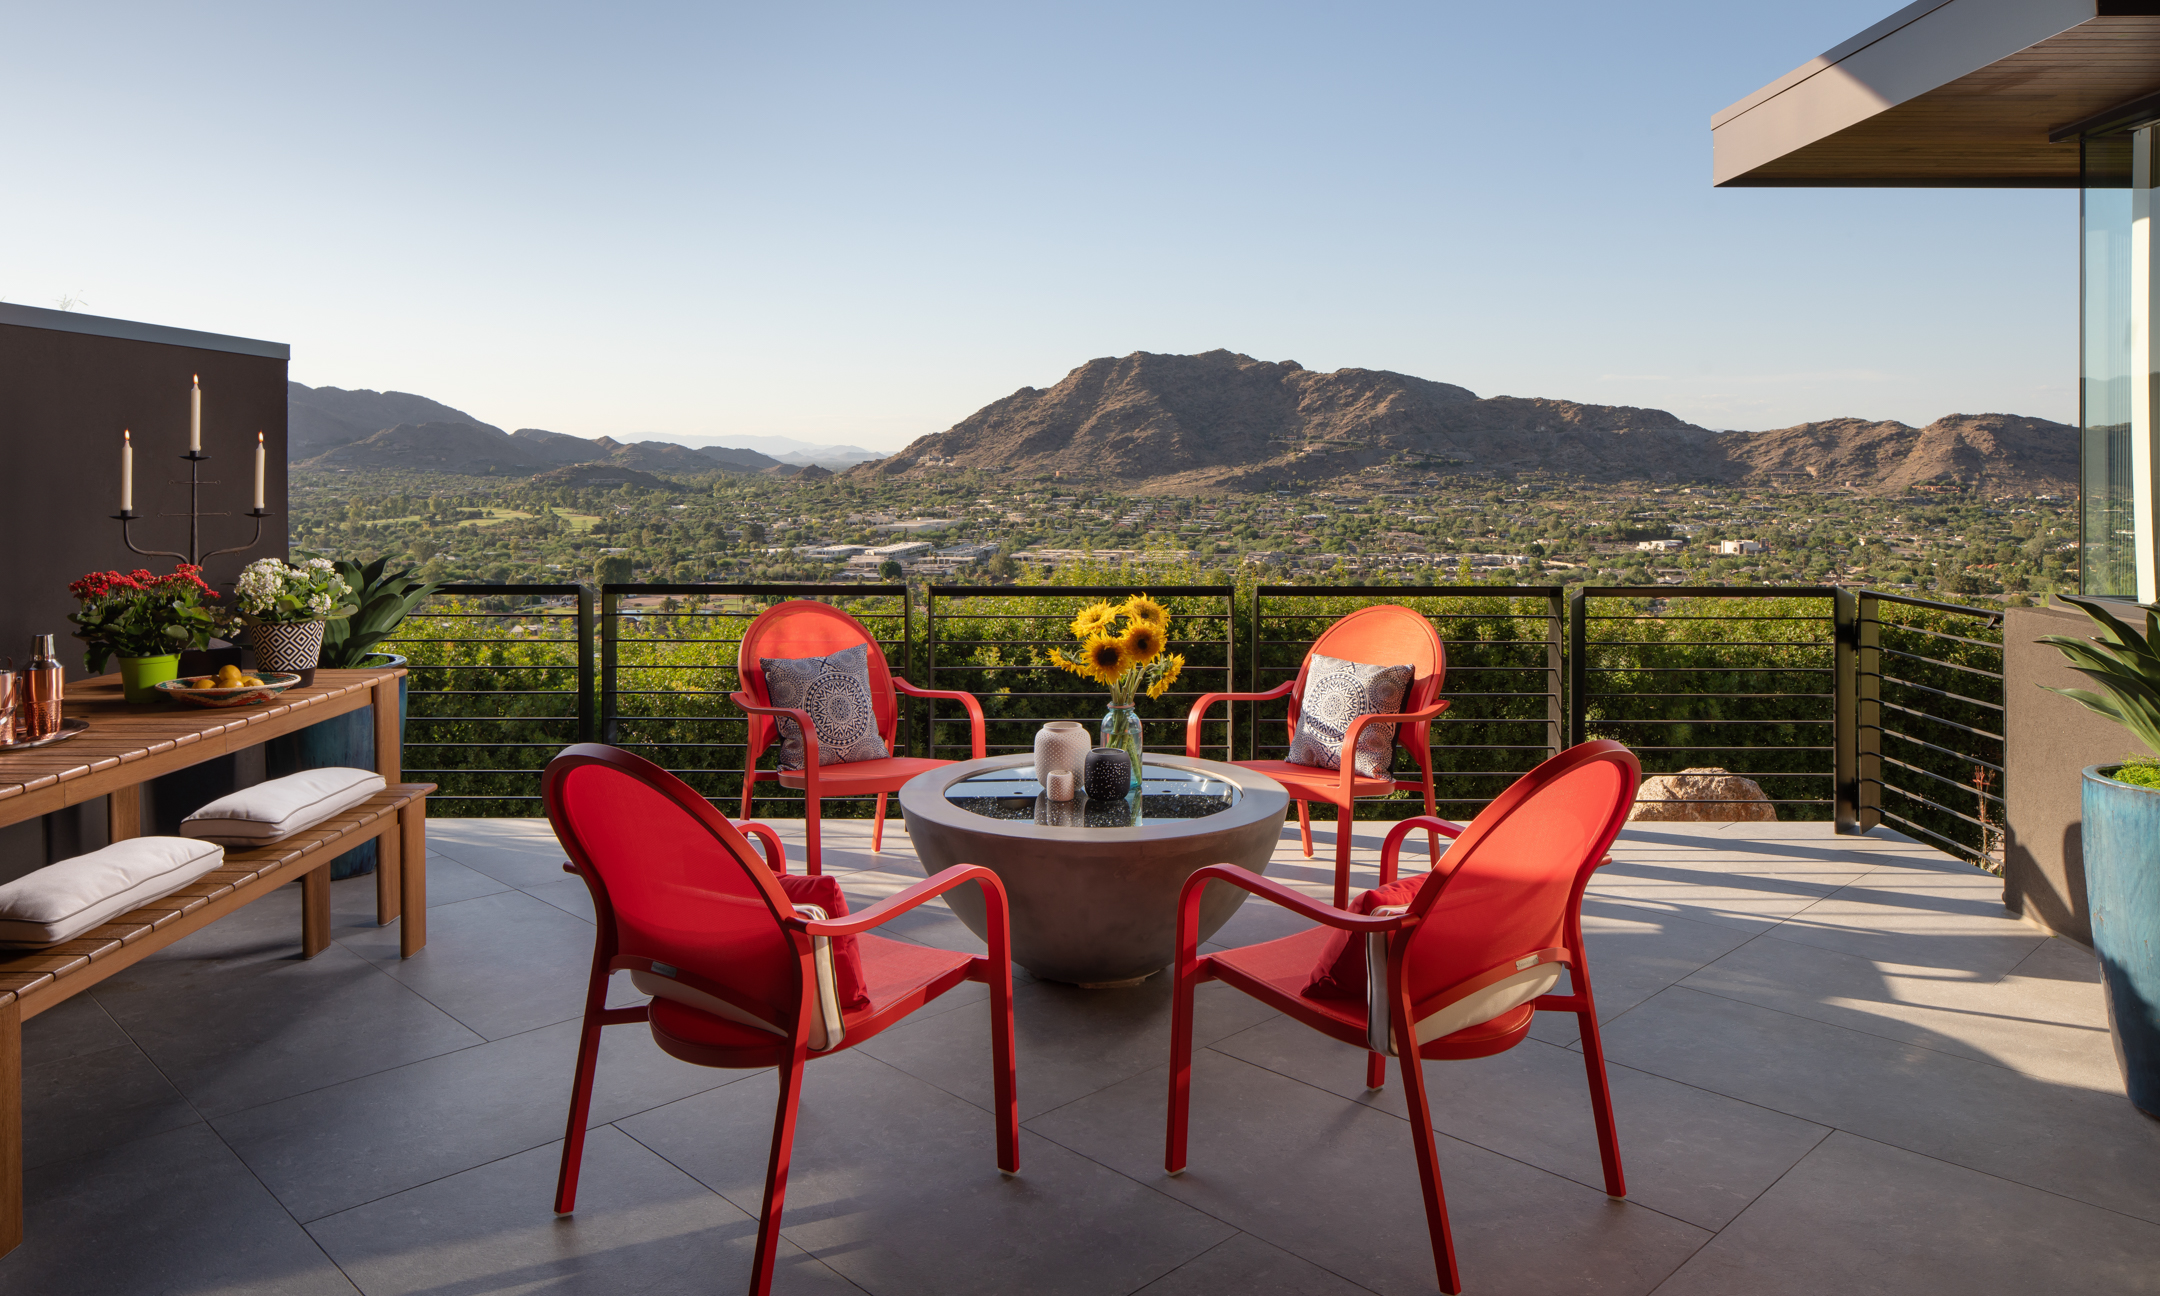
1702,796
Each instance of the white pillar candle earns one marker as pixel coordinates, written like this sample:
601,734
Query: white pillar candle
1060,785
194,427
127,472
258,470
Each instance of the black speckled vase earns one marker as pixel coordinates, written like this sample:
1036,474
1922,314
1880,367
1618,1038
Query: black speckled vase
1108,774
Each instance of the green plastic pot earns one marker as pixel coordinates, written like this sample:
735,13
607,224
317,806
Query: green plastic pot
140,676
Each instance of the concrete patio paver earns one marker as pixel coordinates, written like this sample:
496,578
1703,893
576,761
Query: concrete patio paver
1813,1037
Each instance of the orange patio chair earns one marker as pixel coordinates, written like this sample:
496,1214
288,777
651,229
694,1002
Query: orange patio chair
1458,961
801,628
1385,634
748,967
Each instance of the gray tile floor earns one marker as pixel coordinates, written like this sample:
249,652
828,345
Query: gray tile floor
1837,1066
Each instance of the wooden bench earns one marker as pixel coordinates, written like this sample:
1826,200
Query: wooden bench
32,981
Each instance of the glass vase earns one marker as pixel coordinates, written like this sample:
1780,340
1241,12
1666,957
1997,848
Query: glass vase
1121,729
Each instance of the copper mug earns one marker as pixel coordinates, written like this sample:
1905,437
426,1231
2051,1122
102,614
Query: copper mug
10,689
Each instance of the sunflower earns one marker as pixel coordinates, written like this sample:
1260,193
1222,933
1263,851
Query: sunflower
1141,609
1143,642
1106,658
1168,673
1091,620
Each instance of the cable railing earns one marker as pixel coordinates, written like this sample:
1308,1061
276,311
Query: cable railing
500,678
1854,705
1927,723
667,666
1740,679
994,641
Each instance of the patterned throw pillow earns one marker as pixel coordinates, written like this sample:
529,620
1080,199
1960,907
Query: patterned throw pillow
835,691
1337,692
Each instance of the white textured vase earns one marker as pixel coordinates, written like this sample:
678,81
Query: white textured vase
287,648
1061,745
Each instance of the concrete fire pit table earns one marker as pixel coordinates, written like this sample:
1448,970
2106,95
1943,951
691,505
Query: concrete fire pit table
1094,885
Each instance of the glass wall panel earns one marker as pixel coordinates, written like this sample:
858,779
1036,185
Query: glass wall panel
2107,562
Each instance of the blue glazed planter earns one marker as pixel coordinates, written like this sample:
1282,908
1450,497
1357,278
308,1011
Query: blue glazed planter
2122,890
347,741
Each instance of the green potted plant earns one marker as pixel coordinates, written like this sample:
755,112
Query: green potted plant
2121,837
286,606
382,600
146,621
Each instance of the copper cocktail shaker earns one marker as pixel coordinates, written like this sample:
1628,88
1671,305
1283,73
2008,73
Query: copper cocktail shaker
7,702
41,688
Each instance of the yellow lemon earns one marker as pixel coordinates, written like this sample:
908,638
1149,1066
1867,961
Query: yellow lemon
251,681
203,683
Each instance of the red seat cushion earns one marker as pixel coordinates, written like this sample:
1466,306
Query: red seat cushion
1312,783
824,892
891,971
864,776
1340,971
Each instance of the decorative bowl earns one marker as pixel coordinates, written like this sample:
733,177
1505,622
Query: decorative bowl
238,695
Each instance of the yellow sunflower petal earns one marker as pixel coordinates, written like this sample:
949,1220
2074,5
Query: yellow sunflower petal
1106,658
1143,642
1141,608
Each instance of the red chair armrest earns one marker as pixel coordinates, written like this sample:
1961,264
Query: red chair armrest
1268,889
1357,726
775,853
1391,849
966,700
893,906
802,722
1206,700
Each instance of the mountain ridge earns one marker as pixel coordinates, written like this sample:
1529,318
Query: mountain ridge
1223,421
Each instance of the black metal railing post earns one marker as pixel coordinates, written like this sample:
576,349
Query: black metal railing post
1845,622
587,678
609,600
1867,711
1556,672
1578,667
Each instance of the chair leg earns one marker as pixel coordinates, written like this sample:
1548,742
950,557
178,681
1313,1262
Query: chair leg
1376,1070
813,857
1428,1164
1304,825
588,1059
1181,1030
877,832
776,1173
1004,1070
749,785
1432,839
1343,824
1608,1137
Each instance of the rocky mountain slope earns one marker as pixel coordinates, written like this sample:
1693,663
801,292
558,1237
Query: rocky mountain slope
1223,421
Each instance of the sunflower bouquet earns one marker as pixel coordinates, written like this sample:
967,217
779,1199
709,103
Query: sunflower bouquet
1122,648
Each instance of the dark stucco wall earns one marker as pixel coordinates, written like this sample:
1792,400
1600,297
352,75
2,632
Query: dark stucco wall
2049,739
68,385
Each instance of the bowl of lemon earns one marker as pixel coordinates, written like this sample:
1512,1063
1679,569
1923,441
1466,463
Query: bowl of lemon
230,687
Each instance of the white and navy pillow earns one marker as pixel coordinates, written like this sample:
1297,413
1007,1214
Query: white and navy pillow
1338,692
835,691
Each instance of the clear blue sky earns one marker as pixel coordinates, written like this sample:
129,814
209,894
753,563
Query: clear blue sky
859,223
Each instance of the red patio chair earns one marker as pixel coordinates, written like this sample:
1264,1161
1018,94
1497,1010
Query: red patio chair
801,628
740,976
1385,634
1461,969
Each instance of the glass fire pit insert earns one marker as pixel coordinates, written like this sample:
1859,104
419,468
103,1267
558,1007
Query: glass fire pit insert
1166,793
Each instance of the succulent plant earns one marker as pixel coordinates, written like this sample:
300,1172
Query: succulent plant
2123,663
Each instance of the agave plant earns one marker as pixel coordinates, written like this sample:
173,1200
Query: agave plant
2125,665
385,600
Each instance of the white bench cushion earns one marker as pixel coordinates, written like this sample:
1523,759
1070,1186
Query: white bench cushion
277,809
62,901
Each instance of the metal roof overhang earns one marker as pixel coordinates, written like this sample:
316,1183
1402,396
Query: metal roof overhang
1949,94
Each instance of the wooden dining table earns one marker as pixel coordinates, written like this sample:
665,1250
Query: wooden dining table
129,743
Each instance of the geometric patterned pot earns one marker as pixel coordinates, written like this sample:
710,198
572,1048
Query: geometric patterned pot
287,647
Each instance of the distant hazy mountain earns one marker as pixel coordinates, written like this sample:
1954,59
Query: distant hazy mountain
318,418
331,428
1224,421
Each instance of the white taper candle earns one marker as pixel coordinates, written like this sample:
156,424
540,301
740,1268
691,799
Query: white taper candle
127,472
194,427
258,470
